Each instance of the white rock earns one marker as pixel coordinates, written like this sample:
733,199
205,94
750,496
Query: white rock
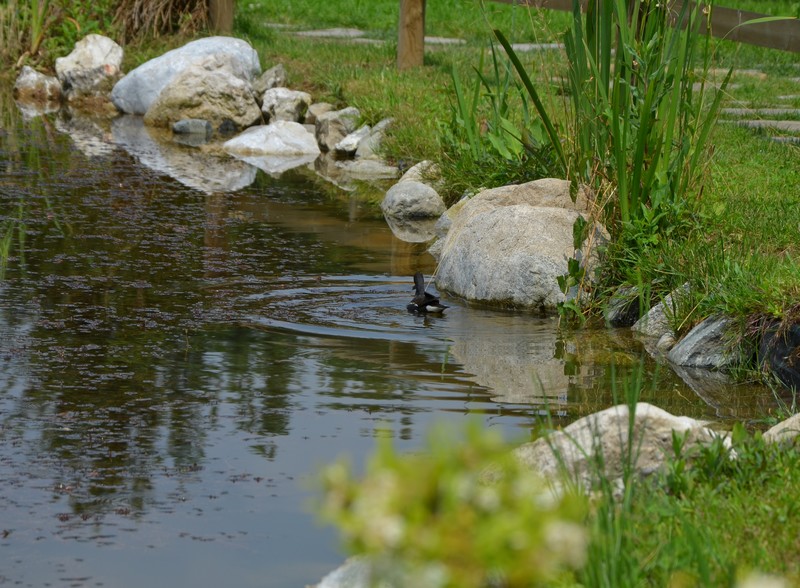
31,85
350,143
285,104
279,138
91,68
509,245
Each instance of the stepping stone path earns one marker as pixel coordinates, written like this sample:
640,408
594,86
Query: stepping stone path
780,123
784,121
359,36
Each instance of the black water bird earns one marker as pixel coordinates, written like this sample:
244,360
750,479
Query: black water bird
422,301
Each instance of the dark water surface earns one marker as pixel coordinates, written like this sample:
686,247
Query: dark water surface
178,360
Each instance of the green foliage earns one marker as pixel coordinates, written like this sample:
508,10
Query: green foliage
465,512
485,144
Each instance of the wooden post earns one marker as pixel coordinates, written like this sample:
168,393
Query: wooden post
411,34
220,14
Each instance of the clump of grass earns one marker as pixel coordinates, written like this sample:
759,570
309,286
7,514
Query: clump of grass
138,18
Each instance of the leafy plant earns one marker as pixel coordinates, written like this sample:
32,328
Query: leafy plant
439,516
484,142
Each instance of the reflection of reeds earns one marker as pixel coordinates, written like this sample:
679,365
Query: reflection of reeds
12,226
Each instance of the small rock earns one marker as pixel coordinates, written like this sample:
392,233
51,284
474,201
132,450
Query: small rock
575,449
425,172
412,199
333,126
279,138
192,126
316,110
275,77
32,86
285,104
657,320
706,345
370,147
91,69
665,342
349,144
787,430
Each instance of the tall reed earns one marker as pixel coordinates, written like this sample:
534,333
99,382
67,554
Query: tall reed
639,114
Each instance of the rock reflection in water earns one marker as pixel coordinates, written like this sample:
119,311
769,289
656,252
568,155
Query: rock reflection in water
194,168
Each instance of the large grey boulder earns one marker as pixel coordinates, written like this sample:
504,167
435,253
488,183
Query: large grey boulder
333,126
511,256
706,346
136,92
91,69
600,444
412,200
508,246
32,86
285,104
208,89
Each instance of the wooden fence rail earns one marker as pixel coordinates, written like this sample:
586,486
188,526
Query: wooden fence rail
725,23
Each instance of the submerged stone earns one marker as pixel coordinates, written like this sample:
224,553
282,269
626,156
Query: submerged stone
779,352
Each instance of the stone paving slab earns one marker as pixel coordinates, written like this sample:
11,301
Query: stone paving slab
337,33
536,46
444,41
792,126
760,112
792,140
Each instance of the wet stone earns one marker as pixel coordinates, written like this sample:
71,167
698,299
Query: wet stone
192,126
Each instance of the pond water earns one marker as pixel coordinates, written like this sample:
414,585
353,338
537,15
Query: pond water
183,346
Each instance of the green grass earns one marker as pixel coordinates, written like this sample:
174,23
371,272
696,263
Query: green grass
444,18
733,517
